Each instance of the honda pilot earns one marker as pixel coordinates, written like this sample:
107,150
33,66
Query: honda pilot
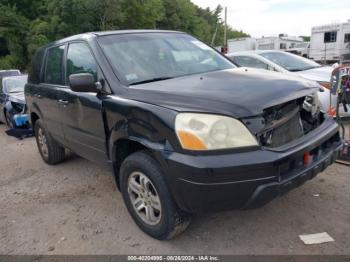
184,130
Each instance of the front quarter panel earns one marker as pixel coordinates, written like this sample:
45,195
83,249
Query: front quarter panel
149,125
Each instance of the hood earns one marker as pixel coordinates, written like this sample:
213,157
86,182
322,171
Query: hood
238,92
17,98
322,74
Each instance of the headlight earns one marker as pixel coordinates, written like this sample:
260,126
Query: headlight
211,132
312,104
325,84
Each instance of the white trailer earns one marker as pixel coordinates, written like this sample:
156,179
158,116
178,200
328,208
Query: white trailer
241,44
282,42
330,43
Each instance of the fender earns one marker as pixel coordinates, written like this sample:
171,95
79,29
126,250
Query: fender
8,106
147,124
35,109
121,131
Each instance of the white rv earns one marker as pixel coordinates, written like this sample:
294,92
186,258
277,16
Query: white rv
330,43
282,42
241,44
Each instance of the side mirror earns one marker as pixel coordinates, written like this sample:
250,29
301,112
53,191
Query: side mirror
84,82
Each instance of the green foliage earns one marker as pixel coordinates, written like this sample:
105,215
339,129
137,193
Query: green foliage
25,25
306,38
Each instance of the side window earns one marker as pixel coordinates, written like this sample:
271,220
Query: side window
247,61
283,46
80,60
53,72
347,38
330,37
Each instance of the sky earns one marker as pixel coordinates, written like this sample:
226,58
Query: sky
272,17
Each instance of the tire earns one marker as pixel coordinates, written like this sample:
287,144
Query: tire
170,220
53,153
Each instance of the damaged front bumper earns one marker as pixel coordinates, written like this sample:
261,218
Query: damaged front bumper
248,179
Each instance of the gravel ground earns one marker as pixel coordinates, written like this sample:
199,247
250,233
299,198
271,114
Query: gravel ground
75,208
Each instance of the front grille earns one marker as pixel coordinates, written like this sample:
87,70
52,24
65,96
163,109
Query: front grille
287,122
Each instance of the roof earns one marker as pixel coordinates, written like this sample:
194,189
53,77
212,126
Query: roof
85,36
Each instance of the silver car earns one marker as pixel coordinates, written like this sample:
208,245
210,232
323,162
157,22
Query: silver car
287,63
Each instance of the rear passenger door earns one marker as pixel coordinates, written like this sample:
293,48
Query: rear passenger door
82,119
47,95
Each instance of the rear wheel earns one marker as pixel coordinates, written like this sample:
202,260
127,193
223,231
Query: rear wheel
148,199
51,152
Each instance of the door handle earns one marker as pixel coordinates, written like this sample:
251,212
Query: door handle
63,102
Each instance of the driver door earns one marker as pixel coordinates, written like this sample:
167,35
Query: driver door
82,121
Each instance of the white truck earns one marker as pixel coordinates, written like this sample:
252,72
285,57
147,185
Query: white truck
330,43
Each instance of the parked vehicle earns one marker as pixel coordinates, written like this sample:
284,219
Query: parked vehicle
282,42
241,44
301,49
291,64
12,102
330,43
184,129
13,72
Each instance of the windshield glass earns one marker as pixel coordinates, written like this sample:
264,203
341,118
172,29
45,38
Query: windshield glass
290,62
147,57
15,84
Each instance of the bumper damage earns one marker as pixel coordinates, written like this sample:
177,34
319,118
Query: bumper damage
243,180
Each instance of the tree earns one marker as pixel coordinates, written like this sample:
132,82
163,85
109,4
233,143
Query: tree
25,25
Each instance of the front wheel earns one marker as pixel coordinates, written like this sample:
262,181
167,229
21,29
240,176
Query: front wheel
148,199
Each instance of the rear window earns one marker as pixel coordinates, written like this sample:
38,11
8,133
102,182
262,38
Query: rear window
9,73
53,72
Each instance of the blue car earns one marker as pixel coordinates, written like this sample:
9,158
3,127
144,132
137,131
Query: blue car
12,101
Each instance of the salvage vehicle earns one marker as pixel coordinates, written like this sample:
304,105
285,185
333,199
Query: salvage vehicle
12,72
12,102
286,63
183,128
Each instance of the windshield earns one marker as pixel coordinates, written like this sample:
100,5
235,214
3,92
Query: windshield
290,62
147,57
15,84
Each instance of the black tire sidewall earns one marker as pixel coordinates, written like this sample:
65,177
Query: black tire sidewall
38,125
144,163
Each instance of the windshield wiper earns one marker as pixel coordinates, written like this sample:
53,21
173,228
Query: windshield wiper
151,80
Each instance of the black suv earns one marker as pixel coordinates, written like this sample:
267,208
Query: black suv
184,129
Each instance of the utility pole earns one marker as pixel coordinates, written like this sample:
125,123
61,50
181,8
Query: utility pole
214,35
225,31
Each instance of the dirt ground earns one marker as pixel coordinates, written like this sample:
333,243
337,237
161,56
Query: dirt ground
75,208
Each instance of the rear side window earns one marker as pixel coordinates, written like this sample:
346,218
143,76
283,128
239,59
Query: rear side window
247,61
53,72
80,60
34,76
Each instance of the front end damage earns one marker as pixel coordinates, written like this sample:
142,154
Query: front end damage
284,123
18,116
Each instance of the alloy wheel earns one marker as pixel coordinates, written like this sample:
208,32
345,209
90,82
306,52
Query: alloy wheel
144,198
43,143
